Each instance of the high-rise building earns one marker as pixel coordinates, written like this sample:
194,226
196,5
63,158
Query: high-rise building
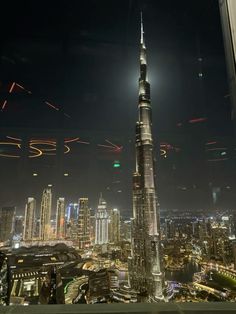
18,226
102,217
228,20
7,223
84,223
29,222
60,218
92,228
169,229
114,226
45,215
145,271
72,213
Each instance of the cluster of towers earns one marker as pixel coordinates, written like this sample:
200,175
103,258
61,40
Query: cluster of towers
74,222
45,230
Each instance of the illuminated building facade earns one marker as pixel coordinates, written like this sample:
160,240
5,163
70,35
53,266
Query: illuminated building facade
45,215
29,221
7,223
114,226
60,218
145,274
169,229
228,20
72,213
18,226
101,233
84,223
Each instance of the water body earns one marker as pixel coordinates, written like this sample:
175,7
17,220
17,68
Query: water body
184,275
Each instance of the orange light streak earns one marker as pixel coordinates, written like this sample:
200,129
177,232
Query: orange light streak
22,87
71,140
38,152
9,156
67,149
82,142
11,88
4,104
13,138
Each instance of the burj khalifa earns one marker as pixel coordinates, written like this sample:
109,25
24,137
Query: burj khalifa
145,267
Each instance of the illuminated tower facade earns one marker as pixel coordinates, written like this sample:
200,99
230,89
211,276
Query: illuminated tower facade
145,273
7,217
60,218
29,221
101,233
114,226
84,223
45,215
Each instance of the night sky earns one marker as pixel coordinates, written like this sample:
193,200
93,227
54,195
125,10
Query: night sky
82,56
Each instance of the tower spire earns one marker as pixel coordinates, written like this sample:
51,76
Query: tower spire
142,32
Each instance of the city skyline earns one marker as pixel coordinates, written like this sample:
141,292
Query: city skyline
67,105
183,52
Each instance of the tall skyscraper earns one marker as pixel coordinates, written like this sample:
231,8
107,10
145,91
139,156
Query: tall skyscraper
60,218
114,226
101,233
18,227
228,20
7,223
45,215
29,222
145,274
72,213
84,223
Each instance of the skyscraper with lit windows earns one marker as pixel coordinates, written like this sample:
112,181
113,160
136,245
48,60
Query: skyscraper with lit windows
29,221
101,233
84,223
145,273
45,215
60,218
7,216
114,226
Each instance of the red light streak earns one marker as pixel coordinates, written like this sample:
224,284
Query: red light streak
114,145
29,92
196,120
101,145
